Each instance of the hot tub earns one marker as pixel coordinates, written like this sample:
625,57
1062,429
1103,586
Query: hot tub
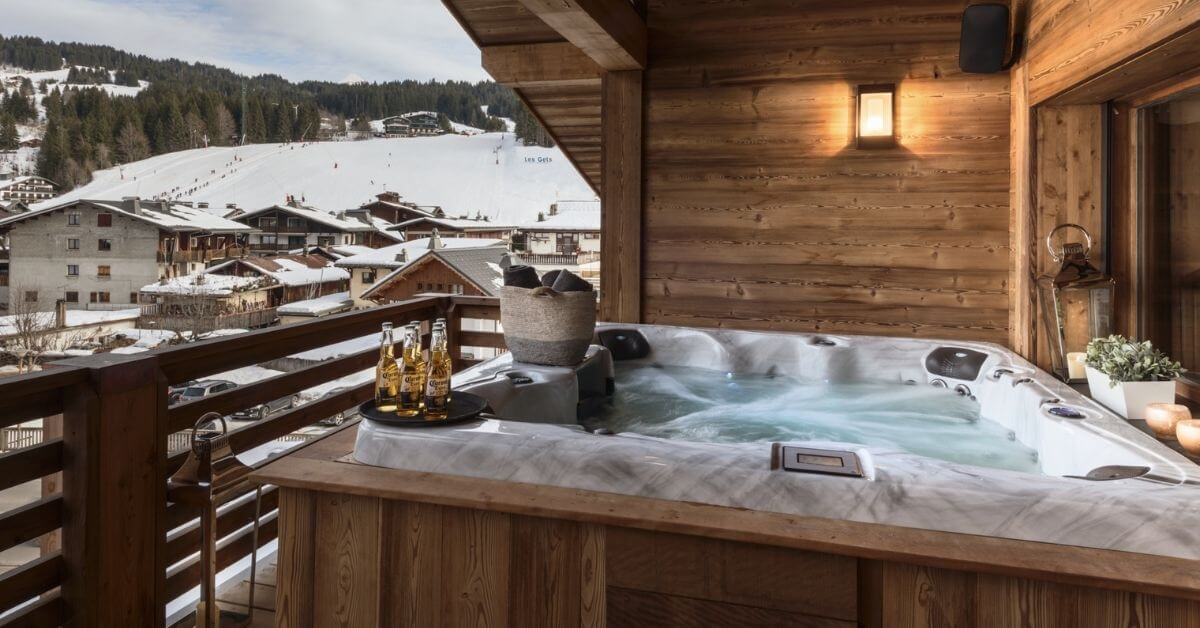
952,436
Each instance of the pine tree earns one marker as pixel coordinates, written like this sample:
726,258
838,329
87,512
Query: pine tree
174,127
52,158
256,124
282,131
9,138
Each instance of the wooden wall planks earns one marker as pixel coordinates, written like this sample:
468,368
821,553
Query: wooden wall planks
1069,175
759,211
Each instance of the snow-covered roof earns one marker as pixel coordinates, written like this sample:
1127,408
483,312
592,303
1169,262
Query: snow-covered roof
383,227
311,213
293,273
75,318
163,214
206,284
568,220
7,183
320,306
289,270
386,257
480,265
458,224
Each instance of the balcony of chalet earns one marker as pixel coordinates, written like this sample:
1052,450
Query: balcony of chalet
725,140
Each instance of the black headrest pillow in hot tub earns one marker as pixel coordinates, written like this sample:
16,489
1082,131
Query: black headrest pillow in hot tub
624,344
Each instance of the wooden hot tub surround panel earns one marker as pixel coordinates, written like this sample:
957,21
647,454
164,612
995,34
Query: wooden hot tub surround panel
399,548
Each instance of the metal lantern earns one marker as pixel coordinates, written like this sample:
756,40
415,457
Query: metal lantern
208,478
1076,303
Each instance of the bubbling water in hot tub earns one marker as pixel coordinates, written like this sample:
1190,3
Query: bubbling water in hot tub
705,405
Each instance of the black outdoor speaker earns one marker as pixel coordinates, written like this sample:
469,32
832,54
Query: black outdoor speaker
984,38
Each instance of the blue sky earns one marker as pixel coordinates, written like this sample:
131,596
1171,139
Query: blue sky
378,40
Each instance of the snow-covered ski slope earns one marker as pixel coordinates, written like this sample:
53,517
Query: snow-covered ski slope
490,174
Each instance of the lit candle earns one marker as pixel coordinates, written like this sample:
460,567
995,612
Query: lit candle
1163,417
1077,365
1188,433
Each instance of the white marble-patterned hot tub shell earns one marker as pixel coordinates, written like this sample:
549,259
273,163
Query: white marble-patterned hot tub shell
1016,399
1160,515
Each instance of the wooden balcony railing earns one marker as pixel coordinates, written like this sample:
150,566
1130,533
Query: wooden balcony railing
106,452
201,255
252,319
559,259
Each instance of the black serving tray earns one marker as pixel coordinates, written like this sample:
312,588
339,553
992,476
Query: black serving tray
463,407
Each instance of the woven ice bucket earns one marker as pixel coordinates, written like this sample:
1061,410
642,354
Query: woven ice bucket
542,326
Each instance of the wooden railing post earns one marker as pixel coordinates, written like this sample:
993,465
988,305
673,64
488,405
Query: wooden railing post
114,492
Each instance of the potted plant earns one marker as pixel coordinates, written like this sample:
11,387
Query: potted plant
1126,375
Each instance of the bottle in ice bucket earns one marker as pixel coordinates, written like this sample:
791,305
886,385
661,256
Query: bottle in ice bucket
412,373
437,381
387,374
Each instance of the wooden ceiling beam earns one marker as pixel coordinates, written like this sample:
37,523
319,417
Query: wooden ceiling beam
541,65
609,31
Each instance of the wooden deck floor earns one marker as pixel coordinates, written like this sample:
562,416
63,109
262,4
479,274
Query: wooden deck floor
234,595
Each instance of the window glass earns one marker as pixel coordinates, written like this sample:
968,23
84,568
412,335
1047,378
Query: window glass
1171,242
73,270
73,219
31,296
71,297
73,244
104,244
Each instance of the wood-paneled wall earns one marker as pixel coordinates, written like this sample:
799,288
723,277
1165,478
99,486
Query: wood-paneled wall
1068,188
760,212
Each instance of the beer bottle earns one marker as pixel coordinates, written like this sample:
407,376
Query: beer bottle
412,374
387,374
437,379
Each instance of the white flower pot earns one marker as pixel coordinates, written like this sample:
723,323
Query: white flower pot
1129,399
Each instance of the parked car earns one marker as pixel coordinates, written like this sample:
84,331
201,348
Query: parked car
342,416
203,388
175,393
264,410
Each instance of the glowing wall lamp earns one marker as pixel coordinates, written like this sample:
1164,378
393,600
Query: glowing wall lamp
876,116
